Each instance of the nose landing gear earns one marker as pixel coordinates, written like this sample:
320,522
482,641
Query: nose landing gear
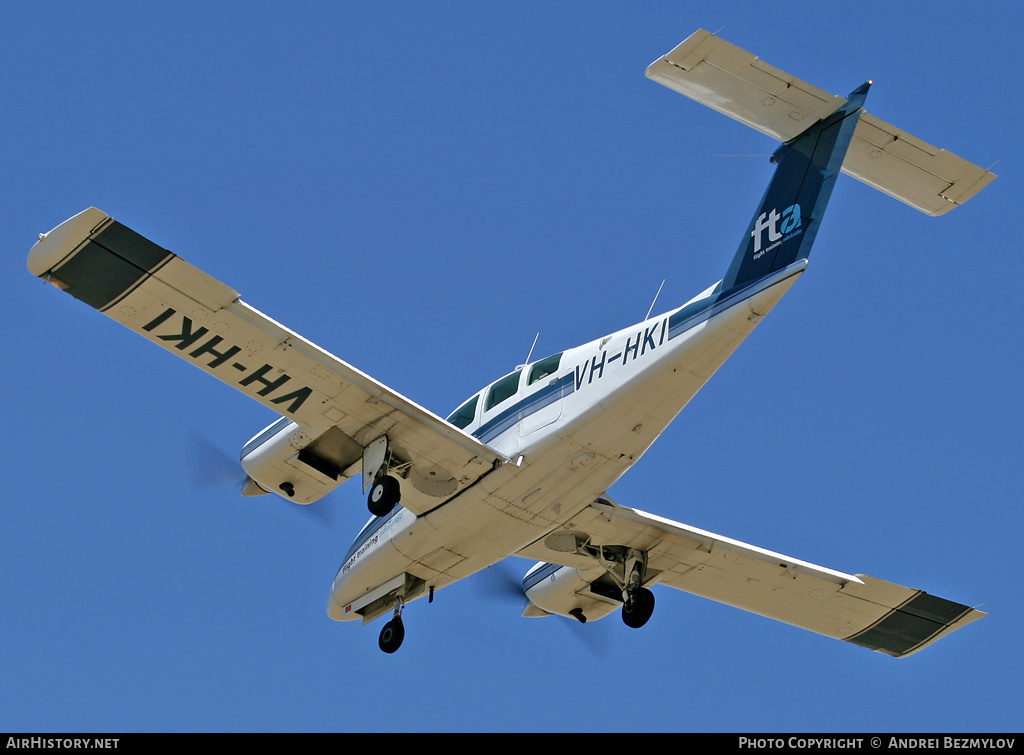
393,633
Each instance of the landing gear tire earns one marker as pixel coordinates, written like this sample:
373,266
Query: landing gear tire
391,636
637,611
384,494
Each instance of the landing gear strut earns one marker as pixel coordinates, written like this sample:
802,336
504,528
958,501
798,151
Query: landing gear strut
625,567
637,601
384,490
393,633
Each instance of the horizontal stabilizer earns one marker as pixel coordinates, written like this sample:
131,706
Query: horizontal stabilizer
737,83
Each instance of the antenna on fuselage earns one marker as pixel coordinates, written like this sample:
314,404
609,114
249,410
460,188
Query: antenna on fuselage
655,300
520,366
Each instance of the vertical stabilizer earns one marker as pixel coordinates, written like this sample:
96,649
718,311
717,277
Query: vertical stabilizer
785,223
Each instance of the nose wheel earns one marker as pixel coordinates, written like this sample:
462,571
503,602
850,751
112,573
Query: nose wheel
391,636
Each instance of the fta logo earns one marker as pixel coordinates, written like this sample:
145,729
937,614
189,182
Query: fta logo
769,221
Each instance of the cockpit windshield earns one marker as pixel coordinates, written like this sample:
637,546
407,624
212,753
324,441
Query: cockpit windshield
464,415
503,389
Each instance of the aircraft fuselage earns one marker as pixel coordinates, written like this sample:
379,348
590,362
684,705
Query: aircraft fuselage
573,434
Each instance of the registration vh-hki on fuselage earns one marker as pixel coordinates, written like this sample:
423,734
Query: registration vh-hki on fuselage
522,467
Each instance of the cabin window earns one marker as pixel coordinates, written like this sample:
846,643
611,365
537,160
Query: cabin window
543,368
502,390
464,415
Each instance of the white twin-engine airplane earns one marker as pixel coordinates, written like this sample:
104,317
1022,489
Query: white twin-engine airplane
522,467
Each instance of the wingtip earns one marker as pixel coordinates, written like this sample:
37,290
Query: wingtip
53,246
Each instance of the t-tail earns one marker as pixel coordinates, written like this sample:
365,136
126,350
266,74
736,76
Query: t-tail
737,83
787,220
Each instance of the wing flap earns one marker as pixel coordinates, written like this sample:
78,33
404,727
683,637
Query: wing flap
736,83
201,320
866,611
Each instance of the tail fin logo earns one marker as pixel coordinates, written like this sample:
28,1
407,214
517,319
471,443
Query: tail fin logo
777,232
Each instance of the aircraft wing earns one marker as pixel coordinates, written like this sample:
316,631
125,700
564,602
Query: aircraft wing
199,319
739,84
870,612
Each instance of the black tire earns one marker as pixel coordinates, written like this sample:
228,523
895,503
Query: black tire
391,636
384,494
638,610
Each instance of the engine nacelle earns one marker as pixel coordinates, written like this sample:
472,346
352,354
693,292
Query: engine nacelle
297,463
576,593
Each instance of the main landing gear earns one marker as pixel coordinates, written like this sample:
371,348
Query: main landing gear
385,492
626,568
637,601
626,572
393,633
638,607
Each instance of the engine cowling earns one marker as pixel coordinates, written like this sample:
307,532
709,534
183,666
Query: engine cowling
576,593
297,463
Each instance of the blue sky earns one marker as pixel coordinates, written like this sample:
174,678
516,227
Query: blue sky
420,188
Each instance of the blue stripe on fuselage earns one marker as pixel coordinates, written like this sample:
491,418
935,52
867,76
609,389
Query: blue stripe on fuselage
542,573
520,410
700,311
371,529
678,323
